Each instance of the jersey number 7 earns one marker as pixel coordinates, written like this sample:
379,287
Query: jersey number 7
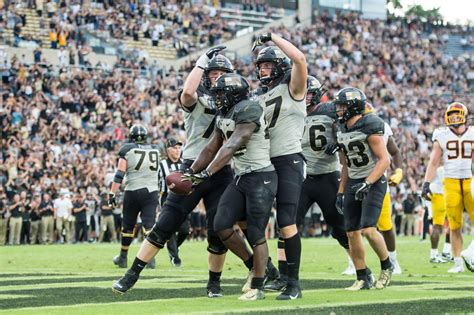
152,159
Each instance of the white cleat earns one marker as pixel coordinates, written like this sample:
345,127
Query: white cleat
350,270
252,295
396,268
247,286
468,257
456,269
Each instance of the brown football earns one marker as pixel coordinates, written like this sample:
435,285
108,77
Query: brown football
176,185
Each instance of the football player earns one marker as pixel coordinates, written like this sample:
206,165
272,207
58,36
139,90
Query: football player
200,115
323,173
241,124
138,166
454,145
285,110
363,184
437,208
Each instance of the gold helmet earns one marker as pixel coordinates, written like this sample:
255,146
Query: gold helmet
369,109
456,114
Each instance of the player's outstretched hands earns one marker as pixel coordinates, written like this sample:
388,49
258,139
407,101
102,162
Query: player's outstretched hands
196,179
261,39
426,191
204,59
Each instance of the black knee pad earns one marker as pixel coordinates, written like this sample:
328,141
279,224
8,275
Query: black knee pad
255,236
158,238
215,245
286,215
341,236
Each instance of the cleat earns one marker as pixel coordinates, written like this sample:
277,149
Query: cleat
456,269
291,292
438,259
151,264
175,261
384,278
214,289
271,273
447,256
120,261
396,268
277,285
468,258
246,288
350,270
125,283
252,295
359,285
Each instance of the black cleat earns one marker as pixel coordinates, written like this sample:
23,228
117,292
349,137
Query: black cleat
271,272
276,285
214,289
125,283
291,292
120,261
175,261
151,264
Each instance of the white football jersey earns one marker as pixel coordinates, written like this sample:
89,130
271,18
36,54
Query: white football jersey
437,183
457,151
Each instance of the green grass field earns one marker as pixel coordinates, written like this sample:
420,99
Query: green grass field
76,279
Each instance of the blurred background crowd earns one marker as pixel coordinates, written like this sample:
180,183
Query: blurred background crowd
61,126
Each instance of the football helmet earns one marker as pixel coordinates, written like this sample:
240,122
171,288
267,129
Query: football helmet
315,91
351,101
455,114
138,133
230,89
218,62
281,64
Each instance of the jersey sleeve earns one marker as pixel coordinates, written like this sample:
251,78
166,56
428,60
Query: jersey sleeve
437,134
387,130
248,112
373,125
125,149
200,93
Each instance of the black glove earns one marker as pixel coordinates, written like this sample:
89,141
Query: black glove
112,202
332,148
426,191
205,58
340,203
361,190
261,39
196,179
214,51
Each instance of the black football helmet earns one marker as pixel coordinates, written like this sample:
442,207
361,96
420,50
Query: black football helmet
138,133
278,58
352,101
230,89
316,89
218,62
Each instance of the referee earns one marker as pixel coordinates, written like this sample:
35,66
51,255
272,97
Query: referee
170,164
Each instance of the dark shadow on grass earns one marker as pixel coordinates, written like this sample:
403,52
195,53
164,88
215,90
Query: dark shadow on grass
435,306
14,275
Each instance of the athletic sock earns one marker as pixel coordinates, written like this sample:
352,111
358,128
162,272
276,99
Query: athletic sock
138,265
249,263
293,256
214,276
257,283
361,274
123,253
447,248
434,253
392,255
386,264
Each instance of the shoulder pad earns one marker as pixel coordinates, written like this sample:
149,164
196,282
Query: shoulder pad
125,148
286,77
437,133
248,111
372,125
258,92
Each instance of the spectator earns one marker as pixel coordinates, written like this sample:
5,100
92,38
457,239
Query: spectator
35,220
107,220
16,209
63,217
79,210
37,53
26,215
46,210
408,219
3,218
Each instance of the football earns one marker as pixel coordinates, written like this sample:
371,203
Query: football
177,185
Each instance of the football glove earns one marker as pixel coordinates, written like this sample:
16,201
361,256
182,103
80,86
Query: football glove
340,203
361,190
204,59
112,202
196,179
396,178
426,191
332,148
261,39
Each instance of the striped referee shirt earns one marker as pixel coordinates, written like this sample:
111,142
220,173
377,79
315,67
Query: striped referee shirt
166,167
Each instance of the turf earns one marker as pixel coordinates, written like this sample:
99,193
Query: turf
76,279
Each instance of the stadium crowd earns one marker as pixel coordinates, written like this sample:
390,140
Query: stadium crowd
61,127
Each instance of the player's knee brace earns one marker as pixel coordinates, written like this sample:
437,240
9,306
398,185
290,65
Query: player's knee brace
158,238
215,245
341,236
255,236
127,237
